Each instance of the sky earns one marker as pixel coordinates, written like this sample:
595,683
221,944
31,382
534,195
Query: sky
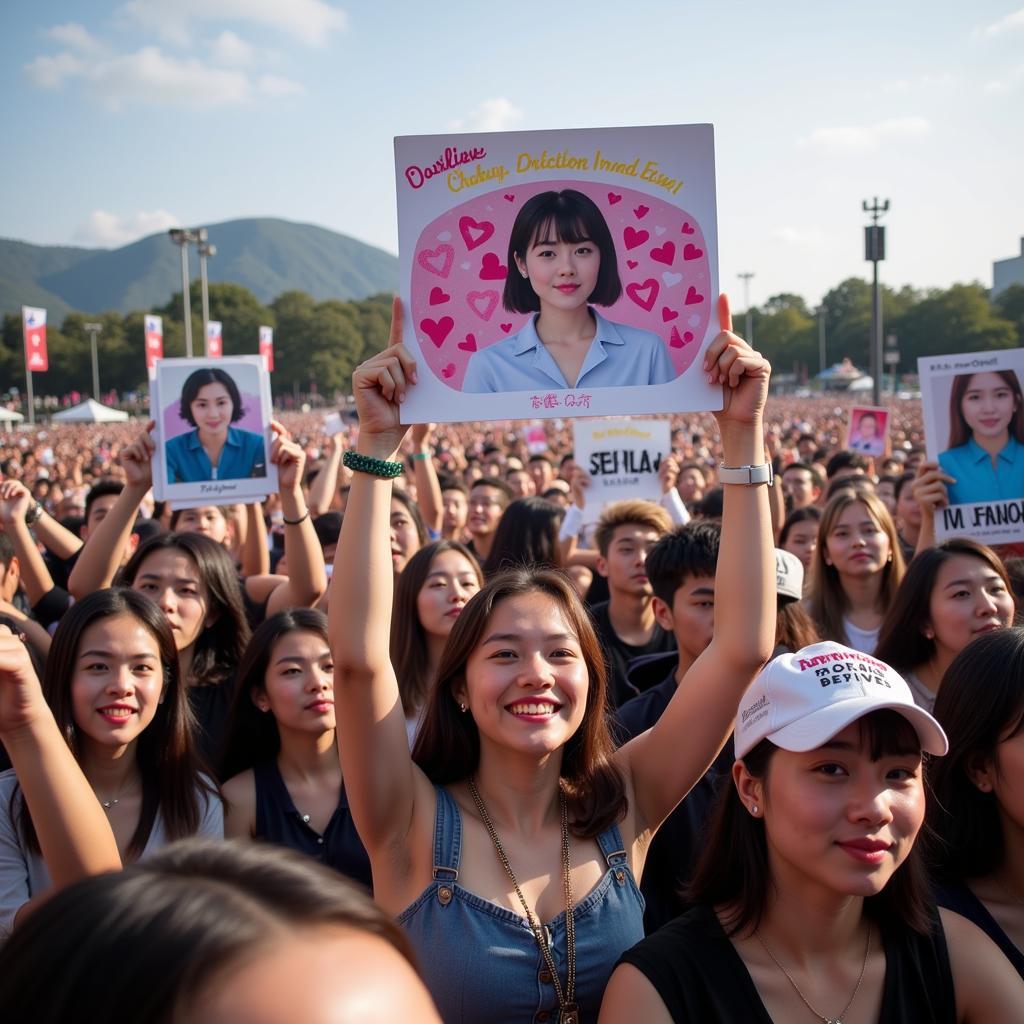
131,117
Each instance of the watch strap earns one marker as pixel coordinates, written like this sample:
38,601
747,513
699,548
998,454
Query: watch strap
746,475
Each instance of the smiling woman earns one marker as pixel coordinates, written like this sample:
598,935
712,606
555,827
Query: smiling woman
113,684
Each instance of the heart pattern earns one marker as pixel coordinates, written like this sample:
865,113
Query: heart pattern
641,211
659,230
664,253
475,232
505,328
438,296
691,252
632,237
687,228
448,371
671,279
483,303
492,269
632,264
437,261
510,197
693,296
437,330
613,198
676,341
644,295
668,315
469,345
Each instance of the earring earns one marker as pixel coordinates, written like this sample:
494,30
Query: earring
462,707
754,810
525,274
929,634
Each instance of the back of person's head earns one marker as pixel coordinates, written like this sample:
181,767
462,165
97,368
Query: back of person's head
327,526
174,927
980,704
711,505
631,512
846,462
527,534
683,553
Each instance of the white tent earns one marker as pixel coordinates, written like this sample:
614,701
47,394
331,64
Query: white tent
10,416
90,412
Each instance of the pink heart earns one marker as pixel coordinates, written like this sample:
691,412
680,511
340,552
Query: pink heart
676,342
693,296
632,264
483,303
691,252
636,293
664,254
438,296
687,228
510,197
437,330
437,261
505,327
448,371
633,238
475,232
668,314
492,268
641,211
469,345
613,198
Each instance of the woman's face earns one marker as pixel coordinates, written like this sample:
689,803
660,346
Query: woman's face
1005,774
856,544
117,680
171,578
298,688
450,583
868,427
405,541
802,541
209,520
968,598
526,681
562,274
988,405
212,408
836,817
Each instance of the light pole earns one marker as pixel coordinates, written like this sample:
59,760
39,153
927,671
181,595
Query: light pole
182,237
821,337
745,278
92,330
874,250
206,251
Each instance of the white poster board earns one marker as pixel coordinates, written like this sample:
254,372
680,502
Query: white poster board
974,429
645,200
622,457
220,407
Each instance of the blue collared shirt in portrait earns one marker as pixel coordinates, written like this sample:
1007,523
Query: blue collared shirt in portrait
619,356
977,479
242,457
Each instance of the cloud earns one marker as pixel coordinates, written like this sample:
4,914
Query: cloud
229,48
867,137
74,36
110,230
493,115
928,83
1007,23
1007,83
808,238
151,77
311,22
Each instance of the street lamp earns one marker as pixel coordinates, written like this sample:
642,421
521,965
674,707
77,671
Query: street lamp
821,310
745,278
182,237
92,330
206,251
874,250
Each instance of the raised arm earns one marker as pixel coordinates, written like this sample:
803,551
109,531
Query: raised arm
931,494
325,486
15,501
99,560
428,487
381,781
255,554
307,576
74,835
667,760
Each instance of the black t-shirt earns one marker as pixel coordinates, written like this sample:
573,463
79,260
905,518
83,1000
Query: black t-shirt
703,980
618,654
959,897
677,844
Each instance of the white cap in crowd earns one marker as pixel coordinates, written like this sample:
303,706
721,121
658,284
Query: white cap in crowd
789,575
800,701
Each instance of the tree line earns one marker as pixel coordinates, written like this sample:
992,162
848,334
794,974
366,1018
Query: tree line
318,344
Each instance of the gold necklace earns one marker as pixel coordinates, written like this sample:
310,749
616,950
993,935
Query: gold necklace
568,1010
796,987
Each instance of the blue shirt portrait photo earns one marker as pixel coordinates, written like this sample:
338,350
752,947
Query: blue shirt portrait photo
242,457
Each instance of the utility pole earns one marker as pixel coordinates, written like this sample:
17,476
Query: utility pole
745,278
821,337
182,237
92,330
874,250
205,251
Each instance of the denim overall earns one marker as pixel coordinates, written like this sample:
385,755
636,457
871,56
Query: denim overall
481,961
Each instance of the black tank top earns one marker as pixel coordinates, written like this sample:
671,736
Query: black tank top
701,978
278,821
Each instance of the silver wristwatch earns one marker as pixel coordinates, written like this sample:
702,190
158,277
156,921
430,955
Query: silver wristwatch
33,514
763,474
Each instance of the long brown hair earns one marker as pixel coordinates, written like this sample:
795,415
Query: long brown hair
448,745
828,601
959,432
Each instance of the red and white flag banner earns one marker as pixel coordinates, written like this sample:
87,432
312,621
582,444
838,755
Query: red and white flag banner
153,326
33,323
214,340
267,347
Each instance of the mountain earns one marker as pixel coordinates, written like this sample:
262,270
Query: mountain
266,255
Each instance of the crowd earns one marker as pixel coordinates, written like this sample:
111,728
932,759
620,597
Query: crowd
754,751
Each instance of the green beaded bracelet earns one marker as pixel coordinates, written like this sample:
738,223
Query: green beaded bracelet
375,467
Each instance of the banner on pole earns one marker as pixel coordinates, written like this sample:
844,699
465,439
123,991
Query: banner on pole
153,327
33,321
267,347
214,340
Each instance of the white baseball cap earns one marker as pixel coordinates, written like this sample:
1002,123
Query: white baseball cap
800,701
789,575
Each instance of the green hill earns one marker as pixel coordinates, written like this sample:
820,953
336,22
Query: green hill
266,255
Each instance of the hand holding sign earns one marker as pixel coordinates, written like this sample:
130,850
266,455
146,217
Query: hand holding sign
137,460
744,373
